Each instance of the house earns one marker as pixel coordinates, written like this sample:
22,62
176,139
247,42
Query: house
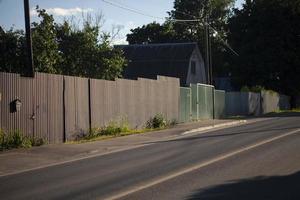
180,60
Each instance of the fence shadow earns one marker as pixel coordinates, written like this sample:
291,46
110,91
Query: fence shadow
258,188
260,131
283,114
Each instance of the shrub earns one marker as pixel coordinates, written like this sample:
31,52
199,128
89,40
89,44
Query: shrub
245,89
15,139
158,121
112,129
37,141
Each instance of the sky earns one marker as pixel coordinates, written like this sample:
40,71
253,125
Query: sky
12,12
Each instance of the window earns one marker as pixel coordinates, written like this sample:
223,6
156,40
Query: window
193,67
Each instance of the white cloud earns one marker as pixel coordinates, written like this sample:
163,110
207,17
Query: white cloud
63,11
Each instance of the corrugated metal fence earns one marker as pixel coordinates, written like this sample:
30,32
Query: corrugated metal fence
41,113
57,108
200,101
249,103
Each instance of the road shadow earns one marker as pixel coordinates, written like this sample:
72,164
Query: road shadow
258,188
268,115
212,135
283,114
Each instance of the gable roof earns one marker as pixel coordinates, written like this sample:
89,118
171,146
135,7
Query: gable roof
150,60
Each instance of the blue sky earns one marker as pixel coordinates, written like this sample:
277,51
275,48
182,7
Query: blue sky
12,14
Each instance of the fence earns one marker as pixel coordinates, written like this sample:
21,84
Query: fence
201,101
185,104
57,108
219,104
248,103
242,103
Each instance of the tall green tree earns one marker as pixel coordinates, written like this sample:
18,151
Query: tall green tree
63,49
218,11
45,46
152,33
267,36
12,45
88,52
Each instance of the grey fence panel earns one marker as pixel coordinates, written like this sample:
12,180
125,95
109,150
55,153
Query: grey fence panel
58,108
9,87
76,106
97,102
284,102
27,93
242,103
219,104
127,101
173,98
145,100
41,112
269,102
111,102
49,122
55,104
41,106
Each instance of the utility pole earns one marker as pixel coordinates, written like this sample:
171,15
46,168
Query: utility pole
207,54
29,64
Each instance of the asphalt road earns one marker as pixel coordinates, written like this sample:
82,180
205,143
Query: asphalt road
254,161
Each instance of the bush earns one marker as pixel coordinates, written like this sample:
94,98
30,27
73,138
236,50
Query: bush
112,129
158,121
245,89
15,139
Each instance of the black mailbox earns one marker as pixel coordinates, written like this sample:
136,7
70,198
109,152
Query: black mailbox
15,106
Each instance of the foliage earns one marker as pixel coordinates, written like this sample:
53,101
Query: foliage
170,31
152,33
245,89
45,47
257,89
12,44
15,139
158,121
63,49
114,128
266,35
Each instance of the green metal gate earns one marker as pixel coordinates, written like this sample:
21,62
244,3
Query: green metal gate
205,101
185,104
200,101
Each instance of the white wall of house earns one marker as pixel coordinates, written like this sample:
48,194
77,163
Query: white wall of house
199,74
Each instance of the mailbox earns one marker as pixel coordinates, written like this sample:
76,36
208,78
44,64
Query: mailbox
15,106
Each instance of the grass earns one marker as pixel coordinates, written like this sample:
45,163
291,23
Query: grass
122,128
15,139
294,110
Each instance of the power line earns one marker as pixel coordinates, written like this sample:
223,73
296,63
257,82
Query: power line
130,9
179,21
206,23
125,7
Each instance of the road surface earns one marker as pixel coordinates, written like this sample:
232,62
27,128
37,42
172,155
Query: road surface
254,161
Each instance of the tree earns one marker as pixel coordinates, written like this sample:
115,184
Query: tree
45,47
87,52
152,33
171,31
266,35
12,45
63,49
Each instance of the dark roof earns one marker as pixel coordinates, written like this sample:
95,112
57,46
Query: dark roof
150,60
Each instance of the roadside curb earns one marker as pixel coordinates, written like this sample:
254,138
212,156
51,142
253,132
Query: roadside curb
214,126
